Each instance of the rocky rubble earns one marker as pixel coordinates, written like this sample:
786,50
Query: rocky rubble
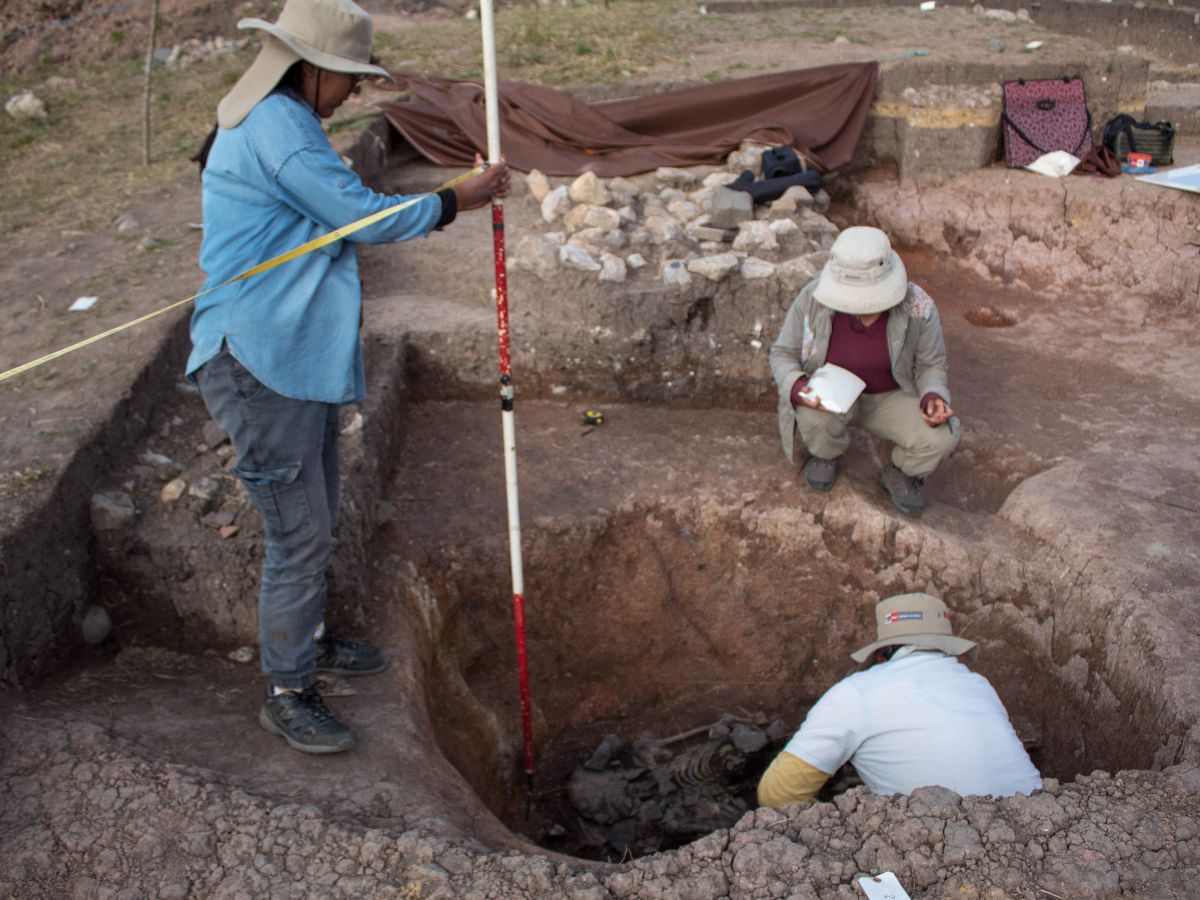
681,222
84,816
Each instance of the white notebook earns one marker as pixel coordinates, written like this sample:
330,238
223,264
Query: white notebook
836,387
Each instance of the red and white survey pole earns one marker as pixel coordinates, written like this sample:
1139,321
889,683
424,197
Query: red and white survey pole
492,108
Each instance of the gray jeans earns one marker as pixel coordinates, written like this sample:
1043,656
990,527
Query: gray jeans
288,460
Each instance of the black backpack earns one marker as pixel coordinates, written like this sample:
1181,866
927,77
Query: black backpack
1124,135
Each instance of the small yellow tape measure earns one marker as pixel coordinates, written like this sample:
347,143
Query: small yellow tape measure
315,244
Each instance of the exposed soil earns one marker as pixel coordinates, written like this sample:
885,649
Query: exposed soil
676,567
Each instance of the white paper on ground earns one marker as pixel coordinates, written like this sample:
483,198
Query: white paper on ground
1184,179
82,303
1033,45
838,388
883,886
1056,163
928,5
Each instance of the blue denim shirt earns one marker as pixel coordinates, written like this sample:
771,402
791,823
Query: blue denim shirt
271,184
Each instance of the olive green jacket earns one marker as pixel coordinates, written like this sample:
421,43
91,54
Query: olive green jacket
915,345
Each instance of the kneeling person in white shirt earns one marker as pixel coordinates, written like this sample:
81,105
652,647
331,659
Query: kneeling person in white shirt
916,718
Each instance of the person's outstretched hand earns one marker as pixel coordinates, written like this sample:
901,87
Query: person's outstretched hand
809,399
936,412
478,191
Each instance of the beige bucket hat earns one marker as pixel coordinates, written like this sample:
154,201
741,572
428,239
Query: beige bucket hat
917,619
334,35
864,275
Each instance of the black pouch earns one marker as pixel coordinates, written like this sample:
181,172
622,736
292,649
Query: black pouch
781,161
1124,135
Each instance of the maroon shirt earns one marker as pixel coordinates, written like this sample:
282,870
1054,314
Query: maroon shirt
863,351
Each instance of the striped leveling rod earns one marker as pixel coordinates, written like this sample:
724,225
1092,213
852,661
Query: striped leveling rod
492,108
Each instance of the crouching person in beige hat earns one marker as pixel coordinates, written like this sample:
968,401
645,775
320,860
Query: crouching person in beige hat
916,718
863,315
275,355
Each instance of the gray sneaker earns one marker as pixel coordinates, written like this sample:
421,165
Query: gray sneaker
820,474
904,490
349,657
301,719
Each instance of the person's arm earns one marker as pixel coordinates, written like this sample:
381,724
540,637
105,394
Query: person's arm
787,353
929,360
789,779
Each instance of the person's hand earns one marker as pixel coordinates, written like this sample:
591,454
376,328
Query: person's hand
936,412
808,398
478,191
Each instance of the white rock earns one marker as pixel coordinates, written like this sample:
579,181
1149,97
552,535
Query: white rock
112,511
635,261
602,217
25,105
799,269
612,268
627,214
703,232
558,237
718,179
203,489
755,236
747,156
127,223
661,229
622,190
841,39
754,268
675,177
674,271
243,655
784,227
714,268
556,204
577,258
666,195
795,197
601,237
539,185
587,188
684,210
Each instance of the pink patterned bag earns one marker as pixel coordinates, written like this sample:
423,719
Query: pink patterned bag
1043,115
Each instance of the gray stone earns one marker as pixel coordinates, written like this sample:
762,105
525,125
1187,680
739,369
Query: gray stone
784,227
577,258
635,261
704,232
674,271
613,239
794,198
679,178
714,268
684,210
112,511
612,268
995,45
127,223
754,268
729,208
718,179
96,624
556,204
205,489
212,435
622,191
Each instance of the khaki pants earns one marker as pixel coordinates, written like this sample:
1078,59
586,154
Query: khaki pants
894,416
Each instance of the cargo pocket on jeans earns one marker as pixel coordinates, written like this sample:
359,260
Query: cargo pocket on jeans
279,496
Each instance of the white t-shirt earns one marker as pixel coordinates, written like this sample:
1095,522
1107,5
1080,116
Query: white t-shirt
920,720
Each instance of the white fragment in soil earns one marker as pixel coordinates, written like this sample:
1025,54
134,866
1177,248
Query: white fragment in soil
756,344
243,655
82,304
172,490
96,624
127,223
671,177
784,227
666,195
558,390
684,210
112,511
1033,45
156,459
635,261
928,6
714,268
355,425
577,258
203,489
718,179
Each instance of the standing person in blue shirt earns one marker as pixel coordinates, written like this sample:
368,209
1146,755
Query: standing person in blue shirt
275,355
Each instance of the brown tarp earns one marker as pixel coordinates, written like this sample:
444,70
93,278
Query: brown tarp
819,111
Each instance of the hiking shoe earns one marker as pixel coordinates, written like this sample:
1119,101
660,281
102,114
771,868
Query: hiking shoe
349,657
820,474
301,718
904,490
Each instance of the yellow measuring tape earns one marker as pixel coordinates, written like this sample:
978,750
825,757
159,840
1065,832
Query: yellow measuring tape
296,252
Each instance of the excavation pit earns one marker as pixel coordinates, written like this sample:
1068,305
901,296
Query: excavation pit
698,583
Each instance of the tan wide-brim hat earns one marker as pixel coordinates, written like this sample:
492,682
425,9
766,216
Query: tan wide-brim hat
864,275
917,619
334,35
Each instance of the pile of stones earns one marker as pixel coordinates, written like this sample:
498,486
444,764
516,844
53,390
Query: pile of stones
676,225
